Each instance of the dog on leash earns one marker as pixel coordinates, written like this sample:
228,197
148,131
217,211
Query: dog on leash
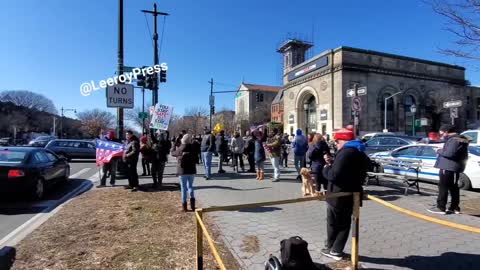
307,182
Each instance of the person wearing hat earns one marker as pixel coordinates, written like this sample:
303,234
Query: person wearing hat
345,173
451,161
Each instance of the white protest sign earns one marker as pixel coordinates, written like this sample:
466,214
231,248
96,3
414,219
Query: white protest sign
161,117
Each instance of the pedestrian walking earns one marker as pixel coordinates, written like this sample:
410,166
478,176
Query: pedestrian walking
260,157
222,151
274,145
130,157
186,169
146,151
316,152
249,150
285,151
161,148
208,147
237,146
451,161
345,173
109,169
300,148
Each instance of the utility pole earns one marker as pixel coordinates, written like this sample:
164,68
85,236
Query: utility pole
61,119
211,103
155,13
143,110
120,66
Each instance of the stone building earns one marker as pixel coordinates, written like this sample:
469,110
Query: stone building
253,104
315,91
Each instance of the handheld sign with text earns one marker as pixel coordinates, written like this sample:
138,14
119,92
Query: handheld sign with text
161,117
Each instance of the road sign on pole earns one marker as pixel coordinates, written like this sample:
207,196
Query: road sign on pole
361,91
357,104
120,96
454,112
212,100
452,104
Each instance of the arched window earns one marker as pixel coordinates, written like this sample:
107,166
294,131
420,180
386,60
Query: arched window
390,111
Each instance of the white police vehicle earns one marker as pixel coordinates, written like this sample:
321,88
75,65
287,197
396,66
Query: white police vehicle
427,153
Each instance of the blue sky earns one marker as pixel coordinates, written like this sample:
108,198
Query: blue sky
53,46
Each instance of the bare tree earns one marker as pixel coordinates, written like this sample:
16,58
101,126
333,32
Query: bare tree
195,119
132,115
29,100
93,121
176,125
462,16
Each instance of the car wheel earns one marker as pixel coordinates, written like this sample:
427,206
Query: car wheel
464,182
39,189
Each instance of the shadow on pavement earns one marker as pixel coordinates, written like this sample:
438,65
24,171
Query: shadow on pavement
228,188
260,210
448,260
165,187
7,257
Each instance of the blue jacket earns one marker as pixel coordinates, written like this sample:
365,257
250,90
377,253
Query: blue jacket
453,157
300,144
259,151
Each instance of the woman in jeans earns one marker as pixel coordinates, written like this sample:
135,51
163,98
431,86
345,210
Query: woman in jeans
186,169
259,154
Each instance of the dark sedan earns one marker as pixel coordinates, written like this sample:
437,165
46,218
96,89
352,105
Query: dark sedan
387,143
30,170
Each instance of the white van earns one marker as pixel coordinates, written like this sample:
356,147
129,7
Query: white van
473,135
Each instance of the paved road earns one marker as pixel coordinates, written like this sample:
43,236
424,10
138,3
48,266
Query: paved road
17,211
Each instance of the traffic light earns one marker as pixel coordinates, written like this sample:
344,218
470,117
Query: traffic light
418,123
257,97
140,80
163,76
212,110
151,82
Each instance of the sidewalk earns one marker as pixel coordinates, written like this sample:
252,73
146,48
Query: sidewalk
388,239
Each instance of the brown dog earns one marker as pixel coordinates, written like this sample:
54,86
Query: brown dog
307,182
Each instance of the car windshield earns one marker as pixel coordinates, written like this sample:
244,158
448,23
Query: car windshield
474,150
12,156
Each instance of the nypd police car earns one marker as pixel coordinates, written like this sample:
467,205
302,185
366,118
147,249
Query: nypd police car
427,153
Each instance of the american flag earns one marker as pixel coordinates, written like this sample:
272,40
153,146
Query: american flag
106,150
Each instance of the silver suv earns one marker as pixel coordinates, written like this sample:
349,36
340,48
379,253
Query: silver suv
70,149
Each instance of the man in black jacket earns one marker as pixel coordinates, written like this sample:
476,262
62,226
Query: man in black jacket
345,174
222,151
208,147
161,148
130,157
451,161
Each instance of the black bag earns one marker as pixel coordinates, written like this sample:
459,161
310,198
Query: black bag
295,255
273,263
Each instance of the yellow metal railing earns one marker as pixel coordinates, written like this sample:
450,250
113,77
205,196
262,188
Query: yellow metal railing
202,229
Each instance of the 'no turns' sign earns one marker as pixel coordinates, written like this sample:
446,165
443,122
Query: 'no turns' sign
120,96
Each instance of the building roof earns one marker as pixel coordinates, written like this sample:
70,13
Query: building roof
260,87
278,98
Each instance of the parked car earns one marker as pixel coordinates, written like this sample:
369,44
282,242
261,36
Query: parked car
30,170
6,141
473,135
427,153
370,136
71,149
387,143
41,141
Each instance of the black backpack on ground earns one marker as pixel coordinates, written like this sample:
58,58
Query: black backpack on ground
295,255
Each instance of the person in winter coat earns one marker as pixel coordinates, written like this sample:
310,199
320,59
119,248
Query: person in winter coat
208,147
316,152
111,167
300,148
222,151
237,146
451,161
186,169
274,145
161,148
285,151
249,150
146,151
260,156
345,173
130,157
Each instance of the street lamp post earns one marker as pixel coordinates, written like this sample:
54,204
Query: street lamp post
413,109
385,110
61,120
305,107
